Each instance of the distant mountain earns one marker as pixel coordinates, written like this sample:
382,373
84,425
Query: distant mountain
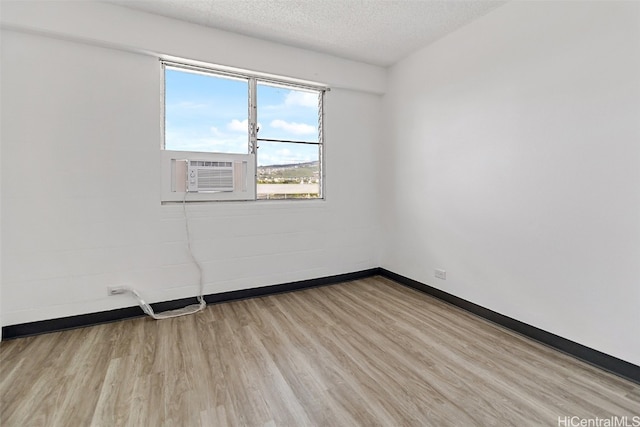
313,164
308,172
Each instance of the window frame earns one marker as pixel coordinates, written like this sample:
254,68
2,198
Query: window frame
253,79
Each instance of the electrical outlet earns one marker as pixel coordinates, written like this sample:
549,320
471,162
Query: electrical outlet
115,290
441,274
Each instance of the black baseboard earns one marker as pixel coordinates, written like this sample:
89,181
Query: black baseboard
594,357
90,319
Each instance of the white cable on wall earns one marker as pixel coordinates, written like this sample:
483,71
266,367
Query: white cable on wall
190,309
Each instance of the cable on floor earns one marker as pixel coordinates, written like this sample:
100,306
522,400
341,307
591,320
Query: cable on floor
190,309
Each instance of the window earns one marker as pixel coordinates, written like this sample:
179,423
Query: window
205,112
289,142
267,132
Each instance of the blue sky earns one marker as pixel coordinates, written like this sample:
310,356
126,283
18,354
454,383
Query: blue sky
206,113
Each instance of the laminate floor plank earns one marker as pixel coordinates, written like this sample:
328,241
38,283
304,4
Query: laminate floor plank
444,377
335,366
521,354
293,361
527,358
518,359
368,352
359,367
459,365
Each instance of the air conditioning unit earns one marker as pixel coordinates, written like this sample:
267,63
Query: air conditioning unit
210,176
207,176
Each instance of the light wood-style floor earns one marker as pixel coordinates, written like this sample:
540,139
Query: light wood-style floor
363,353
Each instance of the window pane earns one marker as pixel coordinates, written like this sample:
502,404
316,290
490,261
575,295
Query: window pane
205,112
288,171
287,114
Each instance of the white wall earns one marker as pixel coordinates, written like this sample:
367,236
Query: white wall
81,177
1,204
515,145
512,160
119,27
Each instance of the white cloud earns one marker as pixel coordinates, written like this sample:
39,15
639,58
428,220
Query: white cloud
238,126
302,99
181,140
292,127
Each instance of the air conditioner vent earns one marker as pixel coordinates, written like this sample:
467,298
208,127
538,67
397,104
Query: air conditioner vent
210,176
194,163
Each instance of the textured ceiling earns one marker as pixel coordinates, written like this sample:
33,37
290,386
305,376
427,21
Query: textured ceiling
379,32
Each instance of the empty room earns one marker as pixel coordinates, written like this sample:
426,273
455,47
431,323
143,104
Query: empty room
319,213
